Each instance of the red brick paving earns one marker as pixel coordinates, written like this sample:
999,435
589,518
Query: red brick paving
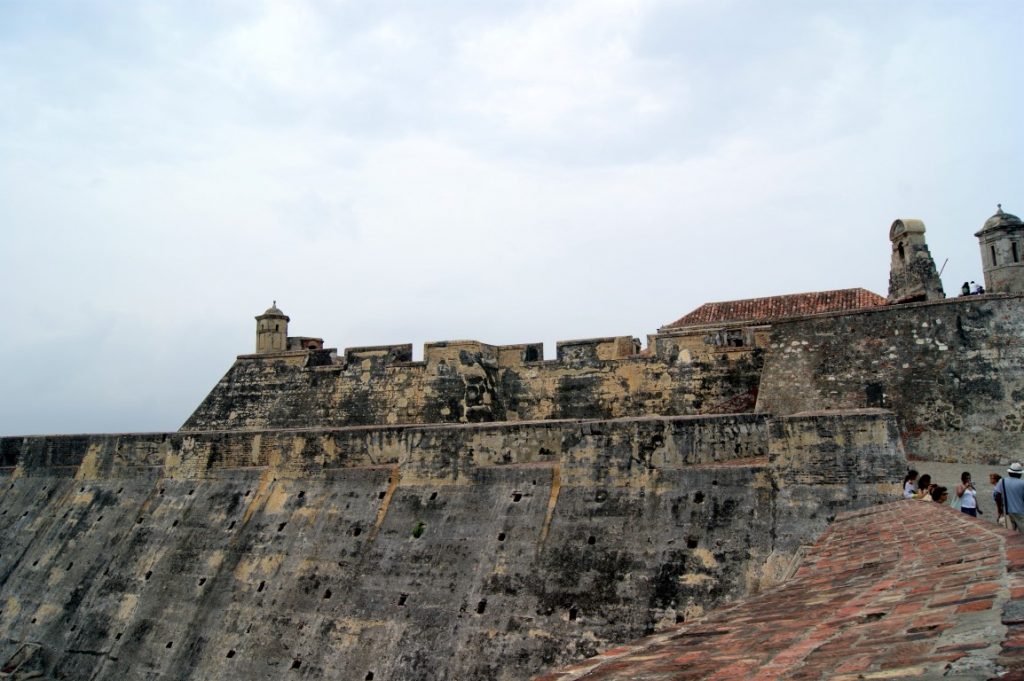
905,590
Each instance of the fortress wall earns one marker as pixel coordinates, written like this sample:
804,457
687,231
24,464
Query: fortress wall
454,450
467,381
953,371
336,553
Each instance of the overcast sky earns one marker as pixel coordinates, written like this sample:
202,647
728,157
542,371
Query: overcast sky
395,172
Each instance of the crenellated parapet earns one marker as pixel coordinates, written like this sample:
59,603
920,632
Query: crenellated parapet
467,381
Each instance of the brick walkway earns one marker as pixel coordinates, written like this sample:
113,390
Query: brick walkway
908,590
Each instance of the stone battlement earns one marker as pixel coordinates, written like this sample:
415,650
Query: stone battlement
952,370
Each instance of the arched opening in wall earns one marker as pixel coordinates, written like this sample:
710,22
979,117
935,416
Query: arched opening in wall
573,613
903,254
993,249
1016,255
296,664
481,606
369,676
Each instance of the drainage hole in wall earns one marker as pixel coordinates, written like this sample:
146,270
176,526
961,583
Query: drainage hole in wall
139,521
591,540
433,495
261,587
169,644
71,565
247,492
281,526
327,594
33,620
698,497
149,573
714,483
296,664
161,490
680,619
34,563
202,580
481,606
417,531
573,612
517,496
117,637
356,531
691,542
302,493
230,654
402,598
174,524
501,536
191,492
369,676
99,519
232,525
81,490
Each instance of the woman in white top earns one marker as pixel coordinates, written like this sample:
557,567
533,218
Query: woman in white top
968,496
909,484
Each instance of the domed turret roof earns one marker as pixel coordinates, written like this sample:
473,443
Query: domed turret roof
273,311
1000,220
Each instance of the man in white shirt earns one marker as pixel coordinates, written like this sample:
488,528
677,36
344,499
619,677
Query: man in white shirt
1011,488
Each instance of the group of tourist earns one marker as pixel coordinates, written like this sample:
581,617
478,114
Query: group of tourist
971,289
1007,494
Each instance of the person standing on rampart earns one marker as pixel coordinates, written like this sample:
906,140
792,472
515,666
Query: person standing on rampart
1011,488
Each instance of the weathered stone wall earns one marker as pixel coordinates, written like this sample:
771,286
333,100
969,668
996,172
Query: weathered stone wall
467,381
953,371
403,553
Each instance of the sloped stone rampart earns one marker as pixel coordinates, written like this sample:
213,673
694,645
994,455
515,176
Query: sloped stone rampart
909,590
410,553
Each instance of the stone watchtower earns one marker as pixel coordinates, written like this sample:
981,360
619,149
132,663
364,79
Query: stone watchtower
272,330
1000,239
912,274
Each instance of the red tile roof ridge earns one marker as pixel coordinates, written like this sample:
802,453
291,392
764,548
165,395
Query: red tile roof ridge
769,308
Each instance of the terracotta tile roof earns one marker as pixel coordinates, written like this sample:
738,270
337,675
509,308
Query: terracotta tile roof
762,310
872,600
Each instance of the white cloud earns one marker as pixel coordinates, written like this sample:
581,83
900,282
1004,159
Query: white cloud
509,172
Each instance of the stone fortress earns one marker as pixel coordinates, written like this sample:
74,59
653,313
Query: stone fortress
488,514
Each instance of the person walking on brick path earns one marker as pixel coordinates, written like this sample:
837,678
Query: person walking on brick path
1012,490
997,498
967,495
909,483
